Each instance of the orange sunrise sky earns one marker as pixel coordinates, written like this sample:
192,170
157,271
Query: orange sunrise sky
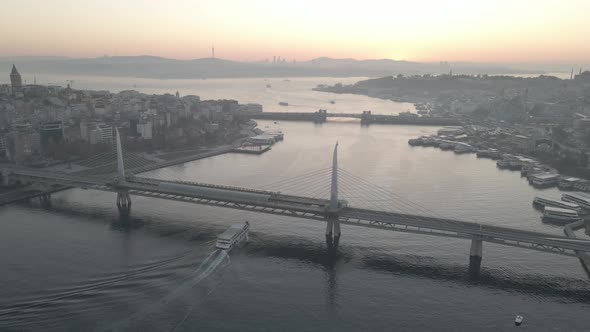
418,30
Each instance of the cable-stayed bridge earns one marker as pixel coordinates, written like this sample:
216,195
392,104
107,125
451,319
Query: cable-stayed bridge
320,195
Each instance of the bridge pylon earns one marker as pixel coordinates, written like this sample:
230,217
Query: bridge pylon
123,197
333,224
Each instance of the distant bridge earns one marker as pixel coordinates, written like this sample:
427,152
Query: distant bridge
332,210
366,117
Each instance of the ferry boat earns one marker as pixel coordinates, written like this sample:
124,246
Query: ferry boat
282,103
415,141
446,146
578,198
560,215
567,182
505,164
582,185
542,202
233,236
543,180
531,167
483,153
488,153
463,148
429,141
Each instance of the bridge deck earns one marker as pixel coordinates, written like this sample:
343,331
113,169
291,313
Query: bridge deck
312,208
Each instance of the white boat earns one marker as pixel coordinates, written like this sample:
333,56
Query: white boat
579,198
544,179
233,236
518,320
543,202
560,215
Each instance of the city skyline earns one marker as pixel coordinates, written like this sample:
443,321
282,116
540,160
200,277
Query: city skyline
424,31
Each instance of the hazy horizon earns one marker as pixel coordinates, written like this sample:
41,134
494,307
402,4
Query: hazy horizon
499,32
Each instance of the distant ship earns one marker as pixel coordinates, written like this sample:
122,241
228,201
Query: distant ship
268,86
282,103
332,102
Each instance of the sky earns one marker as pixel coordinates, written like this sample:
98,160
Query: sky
495,31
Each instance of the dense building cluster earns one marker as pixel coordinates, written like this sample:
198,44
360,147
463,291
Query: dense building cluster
40,123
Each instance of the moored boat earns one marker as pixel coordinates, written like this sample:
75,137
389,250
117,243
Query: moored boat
446,146
542,202
578,198
463,148
567,182
543,180
555,214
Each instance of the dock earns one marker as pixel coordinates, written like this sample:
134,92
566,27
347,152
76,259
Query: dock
252,149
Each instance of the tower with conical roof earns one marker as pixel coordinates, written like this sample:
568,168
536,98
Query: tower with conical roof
15,80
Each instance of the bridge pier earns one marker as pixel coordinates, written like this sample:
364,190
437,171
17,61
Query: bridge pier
332,232
320,116
475,254
366,118
45,200
124,202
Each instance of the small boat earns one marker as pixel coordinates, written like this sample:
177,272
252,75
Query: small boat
233,236
268,86
332,102
518,320
282,103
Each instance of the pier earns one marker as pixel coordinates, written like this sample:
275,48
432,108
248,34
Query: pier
366,118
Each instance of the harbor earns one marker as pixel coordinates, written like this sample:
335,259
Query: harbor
538,174
571,210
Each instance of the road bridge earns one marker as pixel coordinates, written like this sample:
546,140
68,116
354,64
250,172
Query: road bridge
333,210
366,118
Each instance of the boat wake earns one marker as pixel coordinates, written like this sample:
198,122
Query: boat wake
216,260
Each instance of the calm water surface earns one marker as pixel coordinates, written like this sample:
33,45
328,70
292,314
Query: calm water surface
78,266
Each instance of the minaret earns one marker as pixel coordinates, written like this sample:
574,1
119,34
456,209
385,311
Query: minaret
572,74
15,79
212,52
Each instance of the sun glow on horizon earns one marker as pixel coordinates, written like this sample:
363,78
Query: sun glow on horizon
420,30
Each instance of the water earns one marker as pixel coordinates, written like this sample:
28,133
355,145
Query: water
78,266
294,91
